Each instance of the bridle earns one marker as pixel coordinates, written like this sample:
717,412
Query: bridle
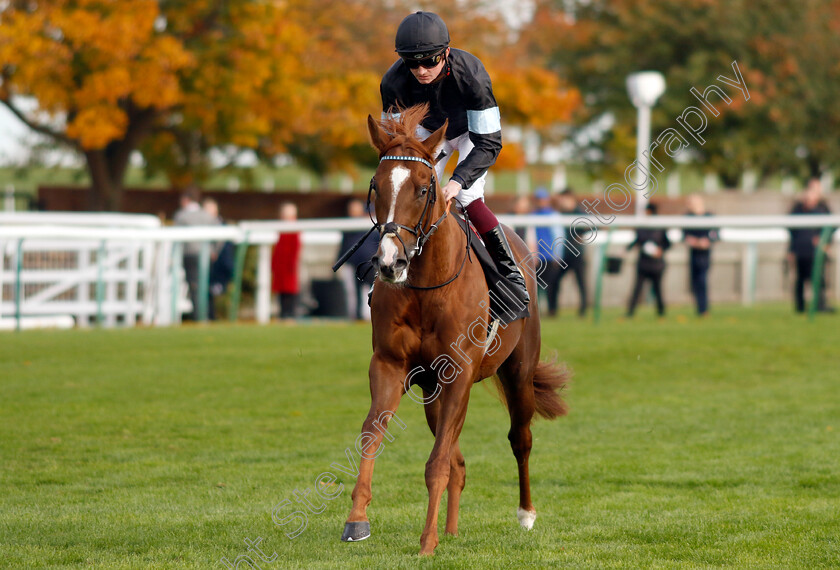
417,231
420,231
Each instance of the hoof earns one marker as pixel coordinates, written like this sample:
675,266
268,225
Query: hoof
356,531
526,518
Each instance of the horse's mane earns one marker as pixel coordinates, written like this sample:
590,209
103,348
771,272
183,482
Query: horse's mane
403,127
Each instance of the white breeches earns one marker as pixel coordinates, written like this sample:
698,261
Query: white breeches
464,146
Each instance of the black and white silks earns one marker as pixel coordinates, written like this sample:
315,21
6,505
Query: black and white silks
464,96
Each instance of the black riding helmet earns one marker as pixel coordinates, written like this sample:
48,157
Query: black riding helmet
421,35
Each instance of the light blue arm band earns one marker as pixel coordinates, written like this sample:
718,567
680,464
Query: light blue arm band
485,121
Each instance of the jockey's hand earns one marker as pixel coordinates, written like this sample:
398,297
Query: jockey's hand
450,190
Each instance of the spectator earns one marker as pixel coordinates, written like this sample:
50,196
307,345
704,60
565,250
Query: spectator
803,246
192,214
222,261
699,241
652,243
574,263
550,249
358,265
285,260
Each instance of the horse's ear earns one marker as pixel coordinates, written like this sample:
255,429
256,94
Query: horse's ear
435,140
378,136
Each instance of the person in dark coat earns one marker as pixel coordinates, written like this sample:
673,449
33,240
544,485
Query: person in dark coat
357,273
699,241
549,248
576,264
222,261
803,246
652,243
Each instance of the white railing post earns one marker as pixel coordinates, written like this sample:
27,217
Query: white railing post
132,277
163,310
83,286
749,266
175,268
147,269
111,269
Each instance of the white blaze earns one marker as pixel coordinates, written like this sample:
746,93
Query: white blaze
389,249
399,174
390,245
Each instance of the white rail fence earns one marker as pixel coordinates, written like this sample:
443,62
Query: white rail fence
62,269
109,270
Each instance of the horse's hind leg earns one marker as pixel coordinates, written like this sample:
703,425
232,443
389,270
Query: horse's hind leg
457,480
516,376
450,420
457,472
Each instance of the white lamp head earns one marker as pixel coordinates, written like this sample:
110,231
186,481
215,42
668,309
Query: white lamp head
645,87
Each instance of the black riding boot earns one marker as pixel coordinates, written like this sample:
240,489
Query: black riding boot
499,249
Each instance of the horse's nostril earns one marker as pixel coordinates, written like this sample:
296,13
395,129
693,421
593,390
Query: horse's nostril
375,261
400,264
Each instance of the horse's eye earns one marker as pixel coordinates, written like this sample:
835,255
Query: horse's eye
423,190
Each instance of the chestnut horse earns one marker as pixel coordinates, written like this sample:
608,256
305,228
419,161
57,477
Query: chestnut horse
427,296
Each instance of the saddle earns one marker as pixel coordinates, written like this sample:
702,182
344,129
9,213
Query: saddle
506,304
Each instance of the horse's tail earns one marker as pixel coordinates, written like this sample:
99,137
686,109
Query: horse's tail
550,378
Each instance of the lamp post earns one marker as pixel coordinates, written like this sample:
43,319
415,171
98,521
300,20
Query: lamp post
644,88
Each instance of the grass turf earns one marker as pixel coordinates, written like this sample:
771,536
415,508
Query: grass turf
690,444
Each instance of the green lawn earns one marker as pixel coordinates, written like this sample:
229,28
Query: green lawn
689,444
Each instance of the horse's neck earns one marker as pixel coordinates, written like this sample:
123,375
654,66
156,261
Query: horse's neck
441,255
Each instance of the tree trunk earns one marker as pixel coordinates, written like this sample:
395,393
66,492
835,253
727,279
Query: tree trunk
107,166
105,192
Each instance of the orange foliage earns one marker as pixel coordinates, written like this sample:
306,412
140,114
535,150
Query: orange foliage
267,75
512,157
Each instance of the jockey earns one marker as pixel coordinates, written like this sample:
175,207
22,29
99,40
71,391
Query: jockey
457,87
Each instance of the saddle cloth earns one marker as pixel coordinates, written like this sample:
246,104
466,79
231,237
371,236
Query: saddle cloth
505,301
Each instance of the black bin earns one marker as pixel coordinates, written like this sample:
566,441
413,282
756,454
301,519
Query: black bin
614,265
330,299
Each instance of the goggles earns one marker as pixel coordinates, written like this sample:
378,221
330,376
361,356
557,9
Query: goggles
427,62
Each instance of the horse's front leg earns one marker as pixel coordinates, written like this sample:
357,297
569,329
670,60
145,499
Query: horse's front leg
450,420
386,388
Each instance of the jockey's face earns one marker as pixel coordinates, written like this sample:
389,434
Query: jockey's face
427,75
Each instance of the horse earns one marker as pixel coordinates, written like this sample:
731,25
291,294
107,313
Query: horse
430,310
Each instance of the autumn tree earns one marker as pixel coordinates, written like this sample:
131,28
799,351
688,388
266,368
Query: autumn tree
787,51
171,78
174,79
